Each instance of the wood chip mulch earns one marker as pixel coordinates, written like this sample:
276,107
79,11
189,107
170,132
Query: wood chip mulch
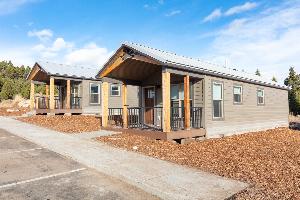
268,160
67,124
16,112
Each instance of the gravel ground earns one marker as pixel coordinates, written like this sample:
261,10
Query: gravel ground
66,124
268,160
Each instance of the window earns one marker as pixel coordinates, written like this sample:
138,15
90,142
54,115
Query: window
217,100
237,94
115,90
260,97
94,93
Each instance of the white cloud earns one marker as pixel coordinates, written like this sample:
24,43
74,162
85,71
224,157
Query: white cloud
213,15
90,54
217,13
268,41
241,8
172,13
10,6
43,35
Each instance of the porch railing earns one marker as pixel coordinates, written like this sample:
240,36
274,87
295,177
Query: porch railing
152,117
115,116
43,102
75,103
145,117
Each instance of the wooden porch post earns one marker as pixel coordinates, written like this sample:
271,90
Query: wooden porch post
31,95
52,102
187,114
47,90
124,99
166,101
104,98
68,100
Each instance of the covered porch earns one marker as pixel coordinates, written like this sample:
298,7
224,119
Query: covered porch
61,94
169,105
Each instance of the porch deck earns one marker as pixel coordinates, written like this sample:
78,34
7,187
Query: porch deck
147,121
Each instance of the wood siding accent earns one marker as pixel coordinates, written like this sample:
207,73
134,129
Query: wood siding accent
31,95
166,90
104,98
68,98
187,102
114,64
247,116
52,103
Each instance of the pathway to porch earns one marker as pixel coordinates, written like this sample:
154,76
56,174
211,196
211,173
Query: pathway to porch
161,178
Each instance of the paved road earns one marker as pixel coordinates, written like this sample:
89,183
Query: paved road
28,171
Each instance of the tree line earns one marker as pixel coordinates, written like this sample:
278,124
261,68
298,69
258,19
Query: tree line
13,81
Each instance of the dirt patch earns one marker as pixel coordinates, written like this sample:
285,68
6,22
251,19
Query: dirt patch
67,124
13,111
269,160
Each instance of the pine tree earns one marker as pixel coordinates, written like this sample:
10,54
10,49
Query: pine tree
257,72
293,81
274,79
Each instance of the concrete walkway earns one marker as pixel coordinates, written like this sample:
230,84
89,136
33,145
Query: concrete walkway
161,178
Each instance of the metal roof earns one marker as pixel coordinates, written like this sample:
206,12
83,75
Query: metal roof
82,72
171,59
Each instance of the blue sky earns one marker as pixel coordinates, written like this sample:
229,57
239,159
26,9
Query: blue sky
245,35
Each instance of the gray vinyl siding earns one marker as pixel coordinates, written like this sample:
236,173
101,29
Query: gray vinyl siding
132,97
198,98
247,116
88,108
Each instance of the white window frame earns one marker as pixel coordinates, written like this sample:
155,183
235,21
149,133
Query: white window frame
238,86
263,96
222,100
99,93
119,90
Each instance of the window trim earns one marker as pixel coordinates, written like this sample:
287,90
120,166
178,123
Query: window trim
264,101
234,102
119,89
99,92
212,100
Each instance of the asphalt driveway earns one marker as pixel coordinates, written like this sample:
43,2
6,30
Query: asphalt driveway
28,171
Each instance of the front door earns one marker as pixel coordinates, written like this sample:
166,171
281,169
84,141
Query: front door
149,98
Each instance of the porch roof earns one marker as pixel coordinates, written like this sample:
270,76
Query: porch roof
184,63
46,69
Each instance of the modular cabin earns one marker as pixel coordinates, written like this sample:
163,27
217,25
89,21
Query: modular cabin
71,90
181,97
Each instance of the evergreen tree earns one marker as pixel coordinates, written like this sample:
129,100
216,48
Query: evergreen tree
257,72
274,79
293,81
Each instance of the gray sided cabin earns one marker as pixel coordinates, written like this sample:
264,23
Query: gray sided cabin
71,90
181,97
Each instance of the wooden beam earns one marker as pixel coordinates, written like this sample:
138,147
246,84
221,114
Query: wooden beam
166,101
52,86
47,91
114,64
187,114
33,72
31,95
124,99
104,94
68,100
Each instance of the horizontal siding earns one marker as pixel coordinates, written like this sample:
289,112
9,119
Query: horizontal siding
248,116
88,108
